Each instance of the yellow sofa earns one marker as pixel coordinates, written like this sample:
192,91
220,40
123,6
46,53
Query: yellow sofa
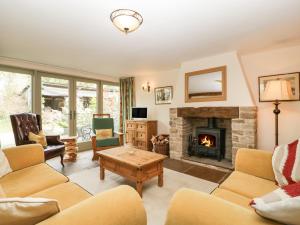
229,203
32,177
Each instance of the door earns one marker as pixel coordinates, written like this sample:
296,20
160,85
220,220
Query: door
86,106
55,105
111,102
130,137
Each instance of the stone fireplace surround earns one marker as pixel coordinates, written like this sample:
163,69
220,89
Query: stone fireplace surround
243,122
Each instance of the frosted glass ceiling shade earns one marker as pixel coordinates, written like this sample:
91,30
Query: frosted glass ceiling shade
126,20
278,90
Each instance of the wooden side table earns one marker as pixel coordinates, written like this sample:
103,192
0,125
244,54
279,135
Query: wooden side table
71,148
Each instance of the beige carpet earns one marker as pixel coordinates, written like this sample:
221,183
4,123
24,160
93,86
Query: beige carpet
156,199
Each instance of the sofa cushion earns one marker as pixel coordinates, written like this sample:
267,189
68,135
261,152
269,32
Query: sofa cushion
232,197
248,185
26,211
114,141
2,193
67,194
30,180
103,133
39,138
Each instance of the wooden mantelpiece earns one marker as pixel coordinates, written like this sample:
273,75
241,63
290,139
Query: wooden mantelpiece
209,112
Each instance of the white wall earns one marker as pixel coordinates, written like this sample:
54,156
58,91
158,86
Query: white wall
146,99
237,90
268,62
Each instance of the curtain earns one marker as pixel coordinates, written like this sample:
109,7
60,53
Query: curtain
127,100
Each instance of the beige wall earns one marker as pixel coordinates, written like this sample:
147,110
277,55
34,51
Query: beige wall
243,72
268,62
237,95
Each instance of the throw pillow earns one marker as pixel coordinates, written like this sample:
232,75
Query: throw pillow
286,163
4,164
26,211
39,138
103,133
282,205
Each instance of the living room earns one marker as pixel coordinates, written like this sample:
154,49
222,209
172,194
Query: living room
175,113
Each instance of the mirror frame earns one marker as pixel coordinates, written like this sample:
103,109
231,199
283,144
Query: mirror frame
221,97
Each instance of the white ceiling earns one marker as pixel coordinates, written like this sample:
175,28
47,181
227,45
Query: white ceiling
79,34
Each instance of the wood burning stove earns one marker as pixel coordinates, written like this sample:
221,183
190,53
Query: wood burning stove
208,141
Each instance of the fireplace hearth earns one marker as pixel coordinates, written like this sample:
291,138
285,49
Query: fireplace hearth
208,142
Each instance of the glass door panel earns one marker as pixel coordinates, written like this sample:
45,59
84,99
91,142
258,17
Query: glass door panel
55,105
86,106
15,97
111,103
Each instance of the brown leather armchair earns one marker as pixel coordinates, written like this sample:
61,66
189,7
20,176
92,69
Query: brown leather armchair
24,123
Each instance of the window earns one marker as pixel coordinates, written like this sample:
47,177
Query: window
15,97
111,103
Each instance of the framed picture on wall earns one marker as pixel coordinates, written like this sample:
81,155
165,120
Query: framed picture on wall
283,87
163,95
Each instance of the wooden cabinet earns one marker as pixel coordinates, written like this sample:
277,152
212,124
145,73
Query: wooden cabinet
139,133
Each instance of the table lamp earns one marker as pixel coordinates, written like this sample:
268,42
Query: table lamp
277,90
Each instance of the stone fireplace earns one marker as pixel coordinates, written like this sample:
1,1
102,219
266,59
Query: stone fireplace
227,128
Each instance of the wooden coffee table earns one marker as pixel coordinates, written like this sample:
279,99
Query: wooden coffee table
134,164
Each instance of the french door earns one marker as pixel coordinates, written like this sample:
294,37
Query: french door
68,105
85,107
55,105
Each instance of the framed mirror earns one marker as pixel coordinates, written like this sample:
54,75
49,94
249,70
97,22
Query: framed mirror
206,85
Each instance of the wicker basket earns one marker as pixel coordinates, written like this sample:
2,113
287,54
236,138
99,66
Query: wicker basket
162,148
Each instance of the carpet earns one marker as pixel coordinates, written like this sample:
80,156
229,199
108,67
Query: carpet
156,199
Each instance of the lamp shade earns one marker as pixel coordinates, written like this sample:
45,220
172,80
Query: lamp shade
279,90
126,20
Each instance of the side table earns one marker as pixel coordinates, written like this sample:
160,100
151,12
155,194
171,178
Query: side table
71,148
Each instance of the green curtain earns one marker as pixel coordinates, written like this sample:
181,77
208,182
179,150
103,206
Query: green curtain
127,100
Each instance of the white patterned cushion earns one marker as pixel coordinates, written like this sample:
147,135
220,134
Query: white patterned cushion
286,163
282,205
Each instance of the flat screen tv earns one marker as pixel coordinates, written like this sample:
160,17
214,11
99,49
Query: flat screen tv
139,113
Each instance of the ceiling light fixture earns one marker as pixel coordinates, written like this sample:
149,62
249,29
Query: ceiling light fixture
126,20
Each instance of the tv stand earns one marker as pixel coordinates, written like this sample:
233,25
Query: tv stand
139,133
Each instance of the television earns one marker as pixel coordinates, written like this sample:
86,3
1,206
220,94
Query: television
139,113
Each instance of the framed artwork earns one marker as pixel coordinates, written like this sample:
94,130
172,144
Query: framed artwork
281,87
163,95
